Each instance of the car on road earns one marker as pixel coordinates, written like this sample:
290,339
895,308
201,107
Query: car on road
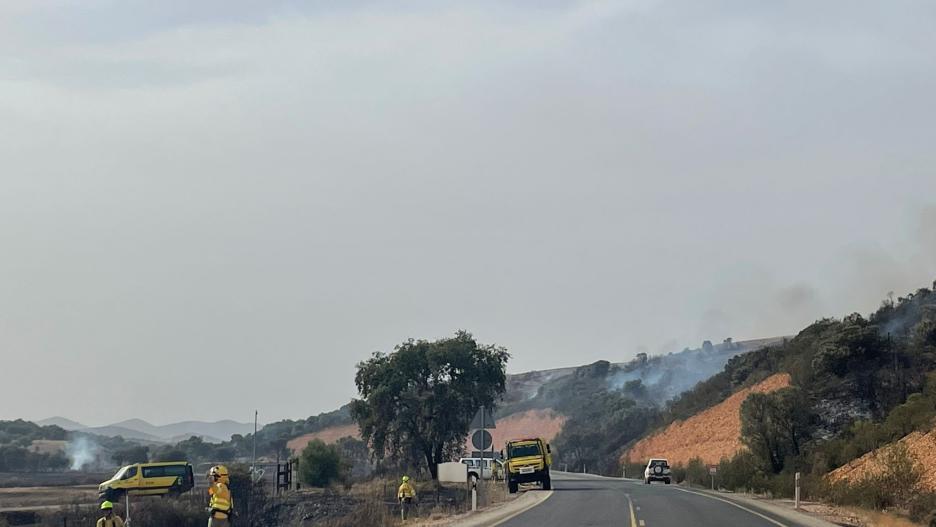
528,461
657,470
492,468
149,479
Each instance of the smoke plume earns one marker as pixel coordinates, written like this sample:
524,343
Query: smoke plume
82,451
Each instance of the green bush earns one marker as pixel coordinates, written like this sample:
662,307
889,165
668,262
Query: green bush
697,472
321,465
922,508
741,473
678,473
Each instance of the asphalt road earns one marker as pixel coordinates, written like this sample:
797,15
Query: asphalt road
581,500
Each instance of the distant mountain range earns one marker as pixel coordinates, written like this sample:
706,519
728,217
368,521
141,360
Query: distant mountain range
138,429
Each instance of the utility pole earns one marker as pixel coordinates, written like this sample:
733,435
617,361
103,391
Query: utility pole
253,463
493,462
481,480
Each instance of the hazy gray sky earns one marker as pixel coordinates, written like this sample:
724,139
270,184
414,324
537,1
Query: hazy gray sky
254,196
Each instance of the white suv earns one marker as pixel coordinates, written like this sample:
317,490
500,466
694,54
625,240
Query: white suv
493,468
657,470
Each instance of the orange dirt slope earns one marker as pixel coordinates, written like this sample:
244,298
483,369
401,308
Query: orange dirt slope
709,435
531,423
329,435
920,446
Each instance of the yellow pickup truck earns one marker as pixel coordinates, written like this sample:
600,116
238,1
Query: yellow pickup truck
148,479
528,461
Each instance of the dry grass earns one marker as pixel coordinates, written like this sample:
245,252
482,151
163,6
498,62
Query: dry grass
21,497
881,519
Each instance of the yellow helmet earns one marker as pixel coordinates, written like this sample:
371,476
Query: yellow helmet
220,472
106,506
405,479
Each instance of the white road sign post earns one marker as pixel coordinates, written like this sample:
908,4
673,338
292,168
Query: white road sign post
796,495
482,439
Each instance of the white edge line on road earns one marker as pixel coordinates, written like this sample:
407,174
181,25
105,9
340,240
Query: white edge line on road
729,502
521,511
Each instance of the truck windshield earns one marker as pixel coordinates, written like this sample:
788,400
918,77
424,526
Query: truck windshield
120,473
531,449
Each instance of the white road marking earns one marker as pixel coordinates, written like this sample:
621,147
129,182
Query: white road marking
549,494
729,502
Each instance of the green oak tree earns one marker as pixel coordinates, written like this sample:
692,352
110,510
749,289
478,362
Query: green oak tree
417,402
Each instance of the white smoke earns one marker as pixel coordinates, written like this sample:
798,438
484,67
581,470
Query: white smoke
667,376
82,451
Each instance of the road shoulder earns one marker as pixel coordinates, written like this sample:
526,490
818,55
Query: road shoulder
501,513
799,518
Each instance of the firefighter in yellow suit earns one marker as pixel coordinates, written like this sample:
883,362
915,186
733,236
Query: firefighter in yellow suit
220,504
110,519
407,495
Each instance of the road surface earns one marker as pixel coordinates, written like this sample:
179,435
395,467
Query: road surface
581,500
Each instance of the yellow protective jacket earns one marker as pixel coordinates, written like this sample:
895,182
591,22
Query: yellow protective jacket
406,491
113,521
220,502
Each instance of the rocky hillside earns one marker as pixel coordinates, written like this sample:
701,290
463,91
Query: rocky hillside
850,400
653,380
538,403
710,435
920,447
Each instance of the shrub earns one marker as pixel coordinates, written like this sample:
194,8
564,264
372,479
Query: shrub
696,472
741,473
320,465
923,508
895,485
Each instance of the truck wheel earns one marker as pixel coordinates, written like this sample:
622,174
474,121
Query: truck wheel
667,481
647,481
512,487
547,484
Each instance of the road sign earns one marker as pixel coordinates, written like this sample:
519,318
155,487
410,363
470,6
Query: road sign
483,419
482,440
712,470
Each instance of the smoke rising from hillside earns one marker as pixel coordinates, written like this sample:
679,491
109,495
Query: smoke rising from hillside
82,451
664,377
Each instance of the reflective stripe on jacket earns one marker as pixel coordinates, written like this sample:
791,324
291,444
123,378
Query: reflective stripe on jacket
220,498
406,491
